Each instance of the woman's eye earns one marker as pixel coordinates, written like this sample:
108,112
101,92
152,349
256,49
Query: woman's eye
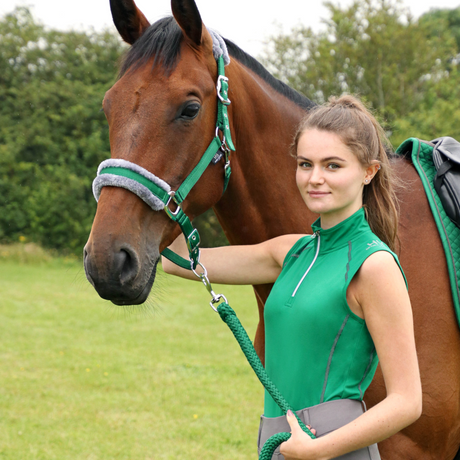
333,166
304,164
190,111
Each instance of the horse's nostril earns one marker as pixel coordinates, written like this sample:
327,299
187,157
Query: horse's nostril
129,265
89,269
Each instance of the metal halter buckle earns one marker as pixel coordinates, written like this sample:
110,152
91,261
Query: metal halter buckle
221,78
223,146
193,238
223,136
167,208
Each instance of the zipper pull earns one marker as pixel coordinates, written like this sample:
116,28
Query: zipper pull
289,302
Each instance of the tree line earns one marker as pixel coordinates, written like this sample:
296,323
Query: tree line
404,69
53,134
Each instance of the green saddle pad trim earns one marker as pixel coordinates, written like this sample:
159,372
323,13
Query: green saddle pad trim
421,154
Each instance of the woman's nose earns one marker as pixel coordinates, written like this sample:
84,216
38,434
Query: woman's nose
316,176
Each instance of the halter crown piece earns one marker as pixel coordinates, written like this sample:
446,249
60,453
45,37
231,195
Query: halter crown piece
156,192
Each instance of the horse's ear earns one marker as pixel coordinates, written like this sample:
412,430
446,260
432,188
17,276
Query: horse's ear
188,17
128,19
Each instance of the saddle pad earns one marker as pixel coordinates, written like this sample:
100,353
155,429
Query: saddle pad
421,154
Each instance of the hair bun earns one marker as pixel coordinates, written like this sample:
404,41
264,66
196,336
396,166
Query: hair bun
345,101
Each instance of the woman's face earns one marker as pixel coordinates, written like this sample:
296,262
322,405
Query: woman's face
330,177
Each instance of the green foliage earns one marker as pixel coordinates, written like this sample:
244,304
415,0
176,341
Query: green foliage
211,233
376,50
25,253
52,133
437,115
438,20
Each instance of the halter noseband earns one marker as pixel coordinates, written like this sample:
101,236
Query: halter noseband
156,192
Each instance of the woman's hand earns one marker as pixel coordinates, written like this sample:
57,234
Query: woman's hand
299,446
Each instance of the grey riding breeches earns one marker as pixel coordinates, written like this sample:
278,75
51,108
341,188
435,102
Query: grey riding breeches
324,418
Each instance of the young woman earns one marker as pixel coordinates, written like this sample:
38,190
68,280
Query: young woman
339,304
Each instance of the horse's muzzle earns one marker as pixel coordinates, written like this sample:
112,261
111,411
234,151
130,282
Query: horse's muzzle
119,276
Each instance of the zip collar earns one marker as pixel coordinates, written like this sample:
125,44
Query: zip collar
339,235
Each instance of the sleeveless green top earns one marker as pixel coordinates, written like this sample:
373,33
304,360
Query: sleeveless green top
317,349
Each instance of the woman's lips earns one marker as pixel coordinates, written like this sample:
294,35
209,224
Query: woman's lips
316,194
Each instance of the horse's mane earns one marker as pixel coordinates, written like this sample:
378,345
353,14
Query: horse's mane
162,41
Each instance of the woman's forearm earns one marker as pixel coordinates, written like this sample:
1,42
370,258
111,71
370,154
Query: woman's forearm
388,417
251,264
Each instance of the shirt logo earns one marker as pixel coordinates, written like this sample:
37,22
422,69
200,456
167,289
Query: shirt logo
374,244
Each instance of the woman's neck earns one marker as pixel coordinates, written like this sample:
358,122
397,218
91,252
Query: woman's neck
329,220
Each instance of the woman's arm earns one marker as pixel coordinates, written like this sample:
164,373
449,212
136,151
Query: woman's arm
251,264
380,291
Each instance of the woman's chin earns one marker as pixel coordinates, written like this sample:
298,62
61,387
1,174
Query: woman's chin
314,205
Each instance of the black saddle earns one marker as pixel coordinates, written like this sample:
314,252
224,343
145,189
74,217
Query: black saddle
446,158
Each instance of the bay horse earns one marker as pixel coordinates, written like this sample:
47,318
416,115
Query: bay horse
161,114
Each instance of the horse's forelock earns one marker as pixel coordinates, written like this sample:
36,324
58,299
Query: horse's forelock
161,41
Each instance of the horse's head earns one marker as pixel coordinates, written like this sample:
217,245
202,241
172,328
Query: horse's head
162,117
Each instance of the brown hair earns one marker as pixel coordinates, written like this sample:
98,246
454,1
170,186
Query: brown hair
358,129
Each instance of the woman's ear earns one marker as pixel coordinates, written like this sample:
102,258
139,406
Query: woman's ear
371,171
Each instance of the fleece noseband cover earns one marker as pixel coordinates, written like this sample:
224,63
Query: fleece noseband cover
114,180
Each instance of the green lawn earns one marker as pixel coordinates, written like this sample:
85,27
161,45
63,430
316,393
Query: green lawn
83,379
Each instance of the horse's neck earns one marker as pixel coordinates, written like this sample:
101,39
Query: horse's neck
262,200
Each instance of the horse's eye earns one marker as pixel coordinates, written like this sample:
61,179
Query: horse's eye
190,111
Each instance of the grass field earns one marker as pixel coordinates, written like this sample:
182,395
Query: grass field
83,379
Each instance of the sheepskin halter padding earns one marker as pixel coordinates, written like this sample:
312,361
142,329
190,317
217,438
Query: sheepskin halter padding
142,191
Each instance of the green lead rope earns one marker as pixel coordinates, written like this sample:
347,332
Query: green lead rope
229,317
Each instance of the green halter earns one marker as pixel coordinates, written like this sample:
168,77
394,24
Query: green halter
137,176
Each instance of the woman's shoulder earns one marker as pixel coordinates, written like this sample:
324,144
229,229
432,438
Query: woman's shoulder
373,258
380,267
379,274
368,242
380,260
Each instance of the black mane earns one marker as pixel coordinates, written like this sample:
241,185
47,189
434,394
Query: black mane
254,65
162,41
